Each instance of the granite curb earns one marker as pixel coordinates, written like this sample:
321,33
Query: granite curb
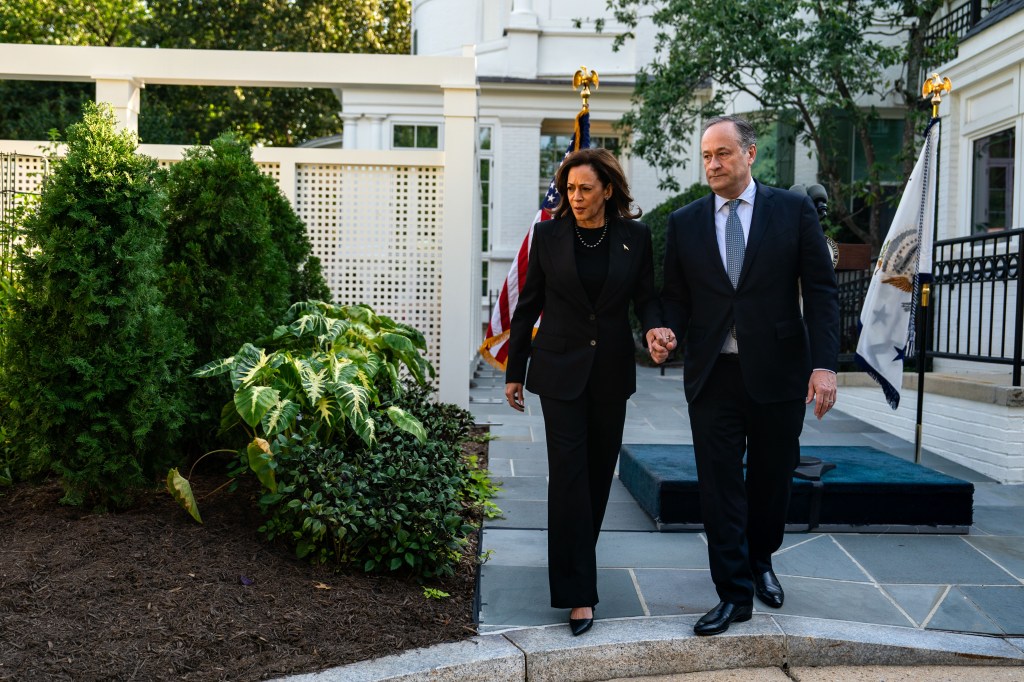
634,647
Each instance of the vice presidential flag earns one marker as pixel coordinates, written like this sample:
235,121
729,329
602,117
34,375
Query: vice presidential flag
495,346
888,318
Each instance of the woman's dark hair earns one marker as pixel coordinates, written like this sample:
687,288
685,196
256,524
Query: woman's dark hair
608,171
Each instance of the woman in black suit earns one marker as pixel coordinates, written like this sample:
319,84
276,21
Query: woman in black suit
585,266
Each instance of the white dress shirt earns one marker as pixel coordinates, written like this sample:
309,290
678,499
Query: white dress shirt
745,211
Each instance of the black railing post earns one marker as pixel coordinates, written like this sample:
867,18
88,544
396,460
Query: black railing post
975,12
1018,331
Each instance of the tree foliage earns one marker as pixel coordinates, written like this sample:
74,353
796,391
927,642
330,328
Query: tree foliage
93,355
810,63
237,257
192,114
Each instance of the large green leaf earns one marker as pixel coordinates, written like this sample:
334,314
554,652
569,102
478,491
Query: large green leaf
314,382
253,402
328,411
181,490
313,323
407,423
355,404
215,368
280,417
402,344
250,362
261,461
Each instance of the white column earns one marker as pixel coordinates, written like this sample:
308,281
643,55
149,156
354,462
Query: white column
123,94
350,123
523,38
458,258
376,132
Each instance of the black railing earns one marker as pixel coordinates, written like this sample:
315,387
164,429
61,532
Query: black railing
853,286
956,23
978,299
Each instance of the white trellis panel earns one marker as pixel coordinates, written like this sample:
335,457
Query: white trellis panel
377,232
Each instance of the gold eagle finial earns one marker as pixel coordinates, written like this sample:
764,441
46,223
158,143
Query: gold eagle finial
935,87
586,79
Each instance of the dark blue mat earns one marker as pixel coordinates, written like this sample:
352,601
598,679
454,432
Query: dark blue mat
867,488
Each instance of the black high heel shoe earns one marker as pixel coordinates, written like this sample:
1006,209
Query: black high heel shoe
581,625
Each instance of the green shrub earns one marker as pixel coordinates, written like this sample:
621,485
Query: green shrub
237,257
657,221
394,505
93,355
358,466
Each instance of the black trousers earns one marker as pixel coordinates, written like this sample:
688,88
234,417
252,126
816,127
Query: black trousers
744,516
584,436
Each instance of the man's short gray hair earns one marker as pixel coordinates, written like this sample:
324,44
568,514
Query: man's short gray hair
746,132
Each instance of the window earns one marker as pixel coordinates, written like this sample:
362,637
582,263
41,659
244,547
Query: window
409,136
486,169
992,196
847,151
552,150
776,155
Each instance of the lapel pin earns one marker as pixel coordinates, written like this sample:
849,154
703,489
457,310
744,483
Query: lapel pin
625,248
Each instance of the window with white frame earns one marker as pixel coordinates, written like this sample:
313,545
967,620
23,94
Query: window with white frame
415,136
992,187
552,150
485,154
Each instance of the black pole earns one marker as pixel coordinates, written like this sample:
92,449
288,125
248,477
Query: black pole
922,342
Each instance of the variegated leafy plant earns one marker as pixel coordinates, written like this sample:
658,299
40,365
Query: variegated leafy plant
320,375
324,372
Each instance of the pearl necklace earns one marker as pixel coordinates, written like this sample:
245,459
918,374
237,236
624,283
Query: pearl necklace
600,239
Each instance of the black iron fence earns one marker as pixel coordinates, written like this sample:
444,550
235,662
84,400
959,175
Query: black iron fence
978,299
956,23
977,304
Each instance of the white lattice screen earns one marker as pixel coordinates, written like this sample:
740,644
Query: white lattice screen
377,232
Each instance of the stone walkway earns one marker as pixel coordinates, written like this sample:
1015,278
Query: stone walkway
892,606
964,583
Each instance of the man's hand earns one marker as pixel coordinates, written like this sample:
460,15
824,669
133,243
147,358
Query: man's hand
514,396
660,342
822,390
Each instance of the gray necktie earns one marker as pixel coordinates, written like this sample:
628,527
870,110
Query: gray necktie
734,244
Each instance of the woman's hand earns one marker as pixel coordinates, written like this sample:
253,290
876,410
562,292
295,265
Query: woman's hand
514,396
660,342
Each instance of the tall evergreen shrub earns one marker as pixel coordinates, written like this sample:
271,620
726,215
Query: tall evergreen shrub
93,355
237,257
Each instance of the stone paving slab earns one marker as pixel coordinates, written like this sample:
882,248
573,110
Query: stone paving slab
652,646
841,601
1004,606
820,642
1006,552
639,648
819,557
480,659
929,559
958,612
917,601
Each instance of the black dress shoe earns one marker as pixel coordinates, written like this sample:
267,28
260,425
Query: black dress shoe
768,589
581,625
718,619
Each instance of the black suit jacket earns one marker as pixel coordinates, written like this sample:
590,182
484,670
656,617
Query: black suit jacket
786,254
578,340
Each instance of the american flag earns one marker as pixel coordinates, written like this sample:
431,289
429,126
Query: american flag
495,346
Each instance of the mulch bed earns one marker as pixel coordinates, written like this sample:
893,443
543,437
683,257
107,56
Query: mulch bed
149,594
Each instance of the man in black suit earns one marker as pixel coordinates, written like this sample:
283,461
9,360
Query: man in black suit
737,264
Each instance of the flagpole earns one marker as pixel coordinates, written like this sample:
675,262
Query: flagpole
921,344
934,87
